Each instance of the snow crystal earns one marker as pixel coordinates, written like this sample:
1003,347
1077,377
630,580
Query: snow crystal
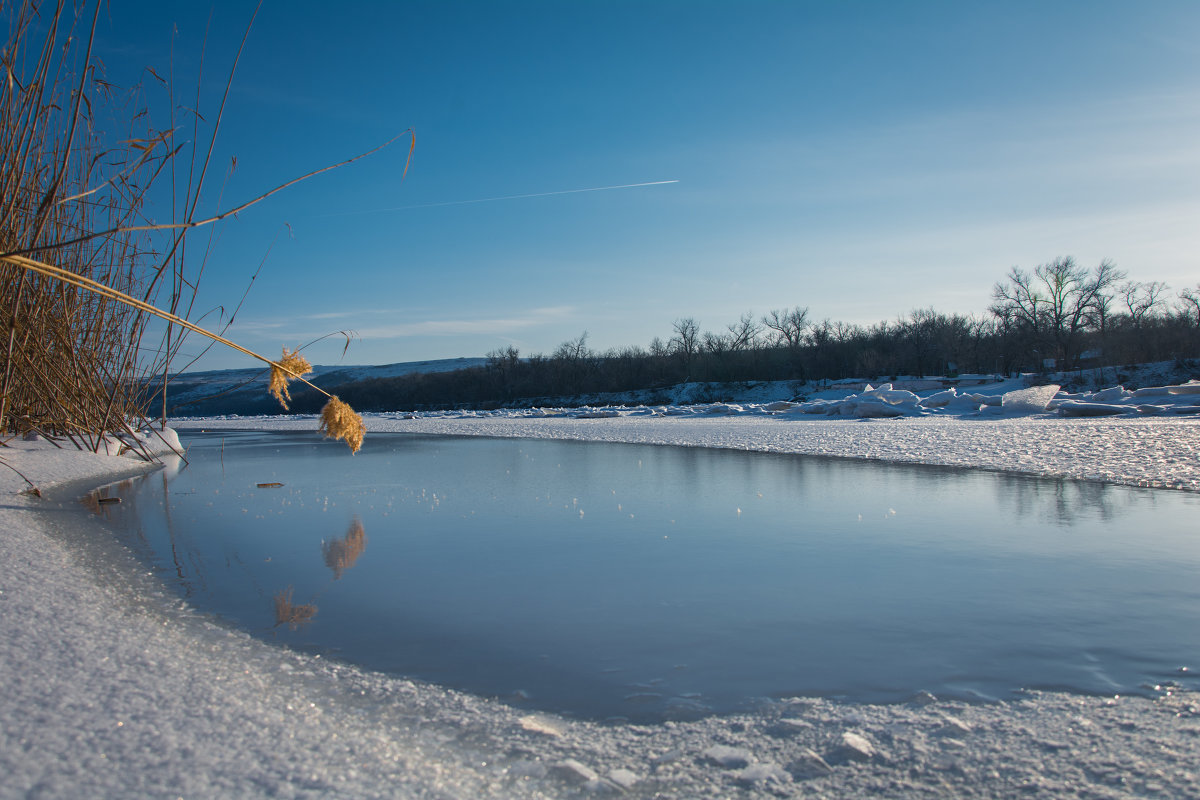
809,764
728,757
574,772
764,773
853,747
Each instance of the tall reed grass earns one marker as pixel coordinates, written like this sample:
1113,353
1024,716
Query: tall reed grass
69,356
83,270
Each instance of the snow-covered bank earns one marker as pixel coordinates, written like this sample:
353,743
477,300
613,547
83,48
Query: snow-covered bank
113,689
1148,437
1153,452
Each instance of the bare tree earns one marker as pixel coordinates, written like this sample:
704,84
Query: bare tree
789,326
716,343
1056,302
1141,298
686,341
918,333
503,357
572,362
1018,302
844,332
1101,311
574,350
743,334
1189,302
502,364
788,330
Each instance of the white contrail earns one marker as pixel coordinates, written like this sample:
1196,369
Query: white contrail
510,197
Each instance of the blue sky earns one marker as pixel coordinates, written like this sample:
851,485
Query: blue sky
860,158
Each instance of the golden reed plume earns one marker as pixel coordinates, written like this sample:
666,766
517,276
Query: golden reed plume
339,421
290,365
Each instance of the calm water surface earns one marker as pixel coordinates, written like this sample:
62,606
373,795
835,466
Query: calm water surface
648,582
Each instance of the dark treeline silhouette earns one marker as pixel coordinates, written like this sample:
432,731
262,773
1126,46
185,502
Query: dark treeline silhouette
1060,316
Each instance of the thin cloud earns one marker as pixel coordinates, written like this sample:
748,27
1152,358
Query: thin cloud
405,326
354,313
463,327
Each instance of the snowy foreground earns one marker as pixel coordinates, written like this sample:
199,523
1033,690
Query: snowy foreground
112,688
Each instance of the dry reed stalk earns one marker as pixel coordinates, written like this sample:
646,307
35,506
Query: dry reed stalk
70,357
338,420
79,270
33,489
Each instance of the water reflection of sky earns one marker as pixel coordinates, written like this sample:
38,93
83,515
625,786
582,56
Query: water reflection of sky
641,581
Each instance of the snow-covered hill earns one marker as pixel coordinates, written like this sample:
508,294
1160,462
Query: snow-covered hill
219,391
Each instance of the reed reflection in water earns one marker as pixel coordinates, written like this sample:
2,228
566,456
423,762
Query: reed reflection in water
291,614
339,555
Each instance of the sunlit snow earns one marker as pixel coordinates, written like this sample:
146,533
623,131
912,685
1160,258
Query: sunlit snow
114,689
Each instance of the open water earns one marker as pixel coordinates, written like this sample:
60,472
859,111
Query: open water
650,582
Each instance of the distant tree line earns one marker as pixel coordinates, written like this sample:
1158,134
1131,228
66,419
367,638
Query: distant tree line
1059,316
